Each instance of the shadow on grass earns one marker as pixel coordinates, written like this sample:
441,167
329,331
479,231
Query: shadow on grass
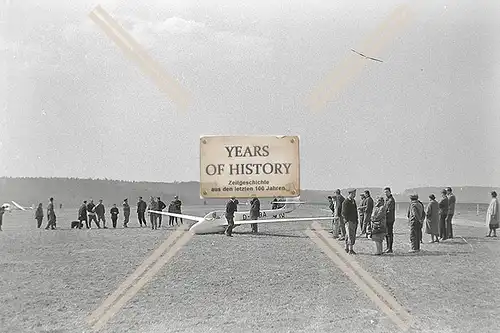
423,253
483,238
266,234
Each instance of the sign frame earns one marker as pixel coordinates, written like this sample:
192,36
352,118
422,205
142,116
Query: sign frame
217,186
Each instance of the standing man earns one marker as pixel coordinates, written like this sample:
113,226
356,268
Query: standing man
114,215
161,206
100,210
126,213
331,206
350,214
177,207
337,215
390,218
361,211
2,211
443,212
51,215
231,207
368,210
274,205
39,216
254,212
91,214
493,215
141,209
451,211
415,217
422,221
153,206
171,209
82,215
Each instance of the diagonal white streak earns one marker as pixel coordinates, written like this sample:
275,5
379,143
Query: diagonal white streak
352,65
136,53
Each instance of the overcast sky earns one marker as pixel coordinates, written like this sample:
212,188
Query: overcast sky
75,106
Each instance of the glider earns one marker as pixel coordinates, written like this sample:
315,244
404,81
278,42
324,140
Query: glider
215,222
15,206
361,54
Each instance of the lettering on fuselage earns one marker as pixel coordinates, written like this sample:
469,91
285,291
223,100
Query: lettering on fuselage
263,214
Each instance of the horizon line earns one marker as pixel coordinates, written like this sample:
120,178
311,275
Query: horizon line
454,187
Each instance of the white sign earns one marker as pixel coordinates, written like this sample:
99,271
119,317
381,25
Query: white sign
248,166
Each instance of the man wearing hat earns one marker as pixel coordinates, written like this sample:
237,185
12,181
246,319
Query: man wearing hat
443,212
231,207
415,217
338,201
161,207
368,210
126,213
361,210
332,208
254,213
177,207
390,218
451,211
82,215
141,210
2,211
350,214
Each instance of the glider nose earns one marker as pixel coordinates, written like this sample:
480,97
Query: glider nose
197,228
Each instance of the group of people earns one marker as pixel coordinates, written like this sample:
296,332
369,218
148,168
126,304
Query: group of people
90,212
376,218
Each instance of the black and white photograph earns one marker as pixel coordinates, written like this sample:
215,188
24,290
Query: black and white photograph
249,166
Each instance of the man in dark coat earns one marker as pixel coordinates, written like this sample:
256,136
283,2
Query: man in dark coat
126,213
141,210
338,201
100,211
254,212
82,215
274,205
422,221
451,211
350,214
415,217
39,215
114,215
2,211
443,213
231,208
361,212
177,207
161,207
367,214
91,214
390,218
51,215
331,206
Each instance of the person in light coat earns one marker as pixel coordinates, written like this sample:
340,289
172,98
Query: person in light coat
493,215
378,225
153,217
432,219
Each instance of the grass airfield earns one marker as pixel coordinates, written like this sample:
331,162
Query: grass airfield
276,281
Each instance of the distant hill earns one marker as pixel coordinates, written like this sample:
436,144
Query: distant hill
70,192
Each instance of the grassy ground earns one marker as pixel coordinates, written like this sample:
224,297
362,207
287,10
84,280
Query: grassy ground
278,281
